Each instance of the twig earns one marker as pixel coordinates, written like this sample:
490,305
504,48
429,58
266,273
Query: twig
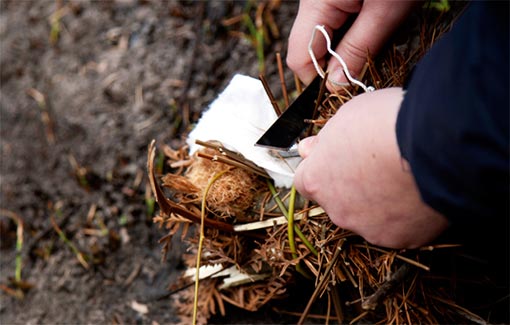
386,288
278,220
230,162
299,89
282,79
235,157
269,93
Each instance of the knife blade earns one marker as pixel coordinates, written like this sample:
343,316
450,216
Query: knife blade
284,132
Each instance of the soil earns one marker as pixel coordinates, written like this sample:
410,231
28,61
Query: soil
85,86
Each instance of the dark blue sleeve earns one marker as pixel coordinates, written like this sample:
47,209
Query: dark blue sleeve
453,125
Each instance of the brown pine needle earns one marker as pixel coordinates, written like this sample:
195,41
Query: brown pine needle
400,257
359,317
320,286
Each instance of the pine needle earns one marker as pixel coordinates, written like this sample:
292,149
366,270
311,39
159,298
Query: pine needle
79,255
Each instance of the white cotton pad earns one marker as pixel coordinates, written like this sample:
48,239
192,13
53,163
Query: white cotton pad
237,119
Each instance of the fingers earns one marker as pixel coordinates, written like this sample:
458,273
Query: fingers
303,173
306,181
306,145
310,14
377,20
371,29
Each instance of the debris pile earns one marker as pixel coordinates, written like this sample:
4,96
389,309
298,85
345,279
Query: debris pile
250,241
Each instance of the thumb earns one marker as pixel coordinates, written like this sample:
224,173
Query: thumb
306,145
371,29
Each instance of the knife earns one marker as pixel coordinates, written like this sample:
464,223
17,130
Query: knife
284,132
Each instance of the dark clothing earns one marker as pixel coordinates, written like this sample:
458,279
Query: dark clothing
453,129
453,126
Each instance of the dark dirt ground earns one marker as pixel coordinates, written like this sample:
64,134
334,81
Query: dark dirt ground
120,74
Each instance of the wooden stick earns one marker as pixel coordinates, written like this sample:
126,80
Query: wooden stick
282,79
230,162
270,95
231,155
386,288
299,89
276,221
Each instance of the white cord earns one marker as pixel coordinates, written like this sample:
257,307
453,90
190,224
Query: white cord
321,29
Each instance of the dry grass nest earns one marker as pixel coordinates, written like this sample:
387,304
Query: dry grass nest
356,281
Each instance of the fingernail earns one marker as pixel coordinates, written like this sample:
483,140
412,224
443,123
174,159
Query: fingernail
305,146
337,78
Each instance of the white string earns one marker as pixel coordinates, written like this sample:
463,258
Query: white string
321,29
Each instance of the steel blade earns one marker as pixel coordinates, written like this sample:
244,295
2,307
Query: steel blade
288,127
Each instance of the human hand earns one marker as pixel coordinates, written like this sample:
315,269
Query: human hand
376,22
354,170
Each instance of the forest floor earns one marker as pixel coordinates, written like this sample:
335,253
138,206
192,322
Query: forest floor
85,87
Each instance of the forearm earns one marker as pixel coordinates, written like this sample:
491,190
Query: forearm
453,124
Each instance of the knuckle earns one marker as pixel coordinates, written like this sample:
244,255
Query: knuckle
354,51
349,6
